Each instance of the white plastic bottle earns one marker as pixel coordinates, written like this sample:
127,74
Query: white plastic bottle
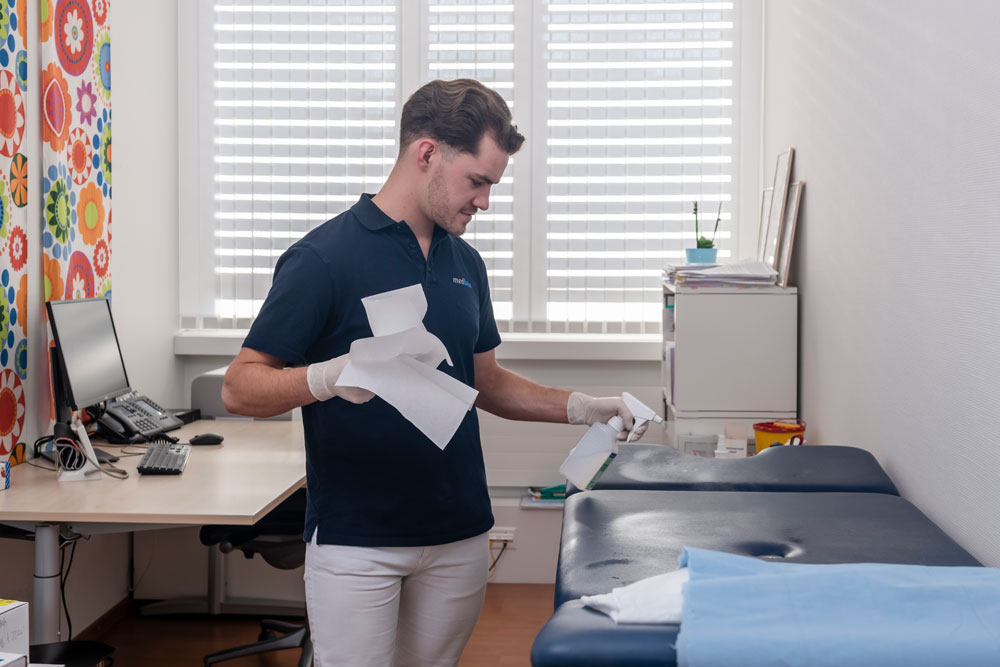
594,452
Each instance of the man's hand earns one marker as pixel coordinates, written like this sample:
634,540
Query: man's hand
583,409
322,378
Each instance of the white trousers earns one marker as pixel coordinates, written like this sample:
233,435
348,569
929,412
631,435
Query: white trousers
394,606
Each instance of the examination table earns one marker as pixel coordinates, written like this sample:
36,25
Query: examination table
800,468
615,537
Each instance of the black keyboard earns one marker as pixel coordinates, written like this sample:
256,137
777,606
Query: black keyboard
163,458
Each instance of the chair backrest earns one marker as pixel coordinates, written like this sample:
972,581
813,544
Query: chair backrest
206,396
277,537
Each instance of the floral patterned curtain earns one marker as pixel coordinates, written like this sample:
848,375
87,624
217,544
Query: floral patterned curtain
76,149
14,287
75,232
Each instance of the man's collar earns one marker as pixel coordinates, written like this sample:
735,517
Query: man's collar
373,218
370,215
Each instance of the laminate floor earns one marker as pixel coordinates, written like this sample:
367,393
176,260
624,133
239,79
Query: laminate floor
512,616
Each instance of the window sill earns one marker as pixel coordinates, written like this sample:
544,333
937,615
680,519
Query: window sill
550,347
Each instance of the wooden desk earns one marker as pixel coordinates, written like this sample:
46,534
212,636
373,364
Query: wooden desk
259,464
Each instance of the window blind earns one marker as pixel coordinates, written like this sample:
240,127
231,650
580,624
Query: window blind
304,99
638,124
628,108
475,40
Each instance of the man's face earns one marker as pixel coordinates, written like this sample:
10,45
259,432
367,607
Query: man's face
460,185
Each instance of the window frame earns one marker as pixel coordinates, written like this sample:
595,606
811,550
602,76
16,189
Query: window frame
195,188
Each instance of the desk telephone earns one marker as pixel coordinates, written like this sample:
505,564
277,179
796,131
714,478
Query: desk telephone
136,417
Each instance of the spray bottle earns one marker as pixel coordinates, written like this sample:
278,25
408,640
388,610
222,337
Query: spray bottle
592,455
640,412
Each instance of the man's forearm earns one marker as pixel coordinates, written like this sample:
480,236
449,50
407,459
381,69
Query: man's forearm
512,396
259,390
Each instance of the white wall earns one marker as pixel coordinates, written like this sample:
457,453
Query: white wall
893,108
144,250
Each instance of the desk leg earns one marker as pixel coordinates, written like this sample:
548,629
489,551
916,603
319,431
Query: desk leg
45,603
216,580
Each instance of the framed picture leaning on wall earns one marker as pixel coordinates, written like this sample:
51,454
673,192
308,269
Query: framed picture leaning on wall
787,240
782,172
765,210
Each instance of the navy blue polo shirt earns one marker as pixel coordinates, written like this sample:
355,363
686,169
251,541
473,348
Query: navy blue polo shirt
374,479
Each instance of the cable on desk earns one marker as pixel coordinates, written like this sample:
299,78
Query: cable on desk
70,455
36,449
31,462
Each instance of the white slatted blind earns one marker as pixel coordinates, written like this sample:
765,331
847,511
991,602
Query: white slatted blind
638,123
475,40
303,117
628,108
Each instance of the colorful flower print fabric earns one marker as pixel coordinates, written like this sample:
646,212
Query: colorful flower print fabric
76,147
75,117
14,234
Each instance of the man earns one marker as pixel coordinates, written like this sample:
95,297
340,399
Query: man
397,528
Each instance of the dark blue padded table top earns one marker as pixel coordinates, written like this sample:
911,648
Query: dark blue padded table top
806,468
613,538
576,636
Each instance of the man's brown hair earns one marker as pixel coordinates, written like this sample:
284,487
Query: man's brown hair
457,113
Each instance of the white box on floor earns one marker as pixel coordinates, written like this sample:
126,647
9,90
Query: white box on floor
13,627
13,660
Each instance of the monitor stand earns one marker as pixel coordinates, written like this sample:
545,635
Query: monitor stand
89,471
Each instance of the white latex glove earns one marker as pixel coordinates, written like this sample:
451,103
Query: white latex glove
322,377
583,409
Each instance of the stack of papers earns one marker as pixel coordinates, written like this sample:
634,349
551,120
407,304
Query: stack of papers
744,272
399,364
670,273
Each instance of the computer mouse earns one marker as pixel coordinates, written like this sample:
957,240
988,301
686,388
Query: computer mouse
206,439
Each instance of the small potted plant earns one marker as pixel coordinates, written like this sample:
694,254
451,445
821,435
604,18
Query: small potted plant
705,251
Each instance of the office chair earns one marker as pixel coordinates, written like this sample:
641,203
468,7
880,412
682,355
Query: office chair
278,539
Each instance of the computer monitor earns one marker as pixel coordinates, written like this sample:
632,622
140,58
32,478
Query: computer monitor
87,346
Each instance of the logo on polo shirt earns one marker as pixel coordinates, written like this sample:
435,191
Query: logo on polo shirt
462,281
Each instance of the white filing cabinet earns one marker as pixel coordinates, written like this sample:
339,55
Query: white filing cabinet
730,356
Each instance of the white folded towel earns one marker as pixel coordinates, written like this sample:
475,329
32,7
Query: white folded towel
652,600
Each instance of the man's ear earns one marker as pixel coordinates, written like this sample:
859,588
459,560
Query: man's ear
424,149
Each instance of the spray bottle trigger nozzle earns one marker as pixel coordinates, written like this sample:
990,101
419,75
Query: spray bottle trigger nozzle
641,413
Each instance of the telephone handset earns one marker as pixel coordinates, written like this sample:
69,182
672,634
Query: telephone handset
112,427
136,420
